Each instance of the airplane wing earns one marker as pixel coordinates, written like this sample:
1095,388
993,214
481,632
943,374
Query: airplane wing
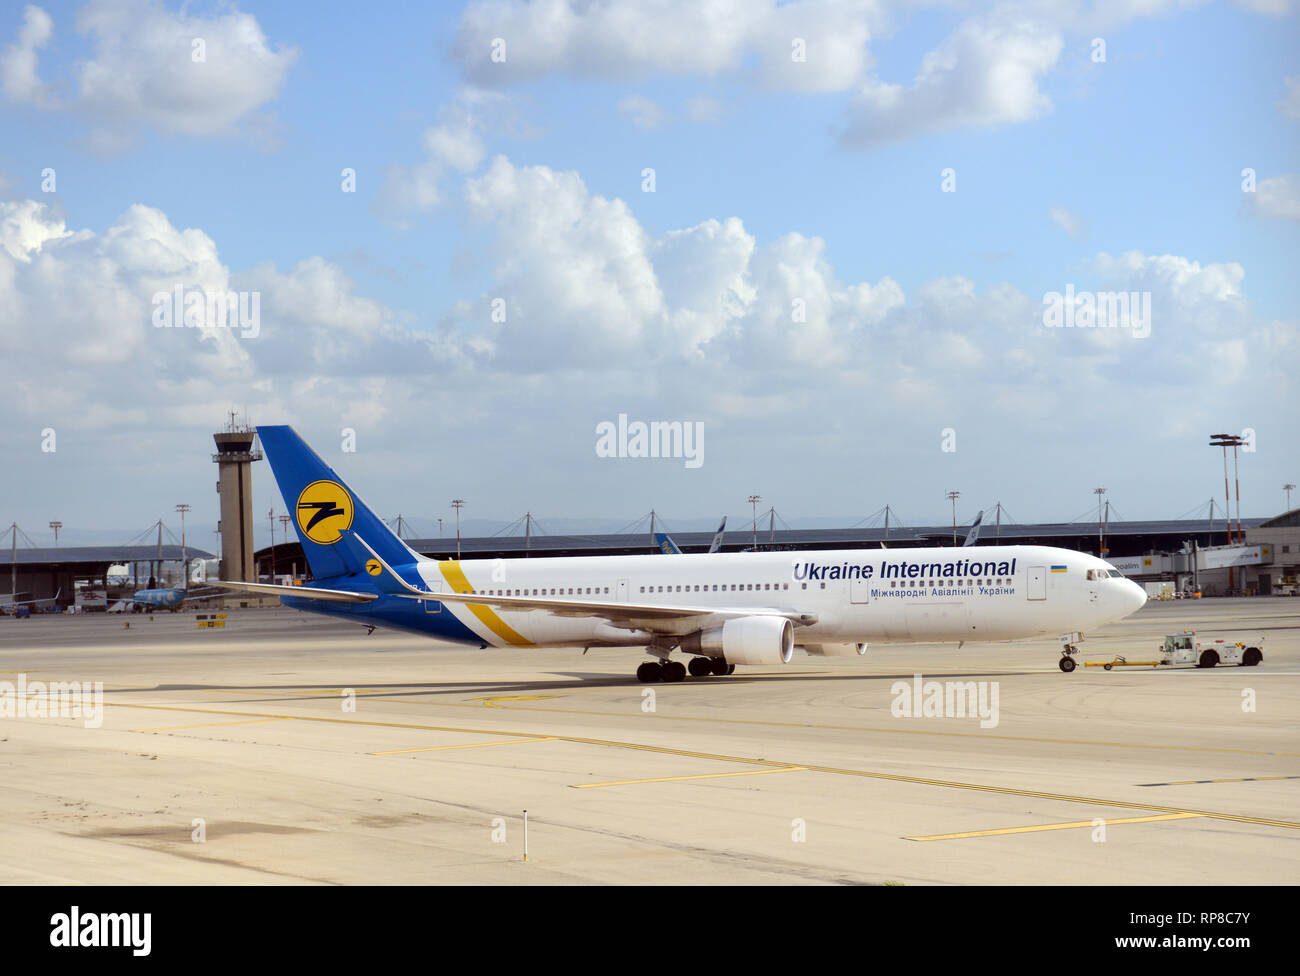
25,603
309,592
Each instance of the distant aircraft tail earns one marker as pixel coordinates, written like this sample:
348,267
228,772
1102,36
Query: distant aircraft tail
716,544
974,532
324,509
666,545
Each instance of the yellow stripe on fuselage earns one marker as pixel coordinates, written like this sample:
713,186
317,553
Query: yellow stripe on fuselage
455,577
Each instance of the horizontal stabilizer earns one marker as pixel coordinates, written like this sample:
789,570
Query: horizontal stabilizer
306,592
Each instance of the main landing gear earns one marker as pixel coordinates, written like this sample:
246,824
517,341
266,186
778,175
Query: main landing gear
671,671
1067,660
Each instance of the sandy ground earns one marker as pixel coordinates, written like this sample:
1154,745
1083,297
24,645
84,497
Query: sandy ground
287,748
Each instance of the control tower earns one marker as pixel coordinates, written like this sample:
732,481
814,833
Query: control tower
236,452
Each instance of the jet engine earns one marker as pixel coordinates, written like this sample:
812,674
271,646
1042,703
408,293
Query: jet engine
760,639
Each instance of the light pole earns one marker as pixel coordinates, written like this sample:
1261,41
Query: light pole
183,508
952,496
1226,441
56,526
456,503
1287,489
754,500
1101,544
439,528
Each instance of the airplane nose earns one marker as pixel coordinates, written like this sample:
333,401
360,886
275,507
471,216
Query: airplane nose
1135,598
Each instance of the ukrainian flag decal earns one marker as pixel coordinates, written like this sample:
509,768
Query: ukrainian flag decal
1058,569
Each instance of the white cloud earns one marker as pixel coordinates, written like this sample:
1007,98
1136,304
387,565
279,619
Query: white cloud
26,226
642,112
1290,102
575,261
986,72
1277,197
679,37
143,69
18,63
92,295
599,308
602,317
455,143
1068,222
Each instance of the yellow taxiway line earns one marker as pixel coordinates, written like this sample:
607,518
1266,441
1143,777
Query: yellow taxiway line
674,779
467,745
1056,826
208,725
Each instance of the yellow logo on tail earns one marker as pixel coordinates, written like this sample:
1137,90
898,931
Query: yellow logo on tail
373,567
324,510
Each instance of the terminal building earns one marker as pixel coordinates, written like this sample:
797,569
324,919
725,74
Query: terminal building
78,575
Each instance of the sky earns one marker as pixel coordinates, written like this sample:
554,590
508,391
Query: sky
839,238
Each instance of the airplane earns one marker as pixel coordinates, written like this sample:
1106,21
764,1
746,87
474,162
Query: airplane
716,610
716,544
669,548
974,532
15,607
164,597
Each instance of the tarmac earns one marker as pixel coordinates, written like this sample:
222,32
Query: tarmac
285,748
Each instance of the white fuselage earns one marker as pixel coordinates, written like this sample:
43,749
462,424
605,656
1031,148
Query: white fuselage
975,593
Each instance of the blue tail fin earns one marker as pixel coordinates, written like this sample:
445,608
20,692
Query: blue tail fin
324,508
